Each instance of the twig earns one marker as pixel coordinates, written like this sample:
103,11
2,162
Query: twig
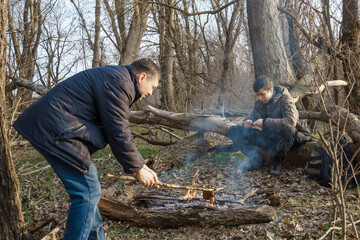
152,141
37,170
353,224
336,228
248,195
52,219
51,235
170,133
175,186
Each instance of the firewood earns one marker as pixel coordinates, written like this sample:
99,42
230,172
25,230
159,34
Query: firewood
248,195
186,217
175,186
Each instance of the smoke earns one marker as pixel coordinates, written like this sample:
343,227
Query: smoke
253,160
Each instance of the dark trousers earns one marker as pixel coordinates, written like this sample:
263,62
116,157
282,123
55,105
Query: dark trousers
249,140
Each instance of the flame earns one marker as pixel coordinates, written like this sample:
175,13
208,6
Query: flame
191,193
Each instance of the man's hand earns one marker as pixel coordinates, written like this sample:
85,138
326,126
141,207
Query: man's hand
248,124
146,176
258,123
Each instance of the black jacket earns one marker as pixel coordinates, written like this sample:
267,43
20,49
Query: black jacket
84,113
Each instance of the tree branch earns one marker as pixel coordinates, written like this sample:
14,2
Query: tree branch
19,82
197,13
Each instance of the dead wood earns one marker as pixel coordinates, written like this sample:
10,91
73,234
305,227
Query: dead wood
192,122
346,120
175,186
52,235
186,217
248,195
152,141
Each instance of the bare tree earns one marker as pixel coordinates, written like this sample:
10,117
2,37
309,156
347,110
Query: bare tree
25,32
167,54
94,44
351,50
127,39
229,31
11,217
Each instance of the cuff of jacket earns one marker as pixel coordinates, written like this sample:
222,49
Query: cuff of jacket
264,123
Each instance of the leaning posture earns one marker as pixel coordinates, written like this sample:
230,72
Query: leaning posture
81,115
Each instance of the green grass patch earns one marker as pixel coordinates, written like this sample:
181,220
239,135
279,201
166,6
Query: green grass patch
224,158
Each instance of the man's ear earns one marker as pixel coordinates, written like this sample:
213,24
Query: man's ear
141,77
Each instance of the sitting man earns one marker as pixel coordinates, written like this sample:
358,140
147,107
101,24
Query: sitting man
270,126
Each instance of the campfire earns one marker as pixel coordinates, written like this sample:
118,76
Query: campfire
215,207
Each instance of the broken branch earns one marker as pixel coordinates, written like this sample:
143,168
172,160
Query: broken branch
175,186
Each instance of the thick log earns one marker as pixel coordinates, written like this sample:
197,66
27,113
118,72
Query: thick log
298,157
186,217
339,116
191,122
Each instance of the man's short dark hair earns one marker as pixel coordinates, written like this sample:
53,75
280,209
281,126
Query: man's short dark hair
263,82
147,66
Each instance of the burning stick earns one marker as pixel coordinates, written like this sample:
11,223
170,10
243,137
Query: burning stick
176,186
190,194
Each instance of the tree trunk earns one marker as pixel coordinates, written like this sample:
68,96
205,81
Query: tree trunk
231,32
137,28
189,217
11,218
96,57
351,51
266,41
167,54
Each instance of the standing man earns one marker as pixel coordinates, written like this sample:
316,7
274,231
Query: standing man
81,115
276,115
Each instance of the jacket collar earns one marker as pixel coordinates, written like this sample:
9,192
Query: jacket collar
135,82
277,94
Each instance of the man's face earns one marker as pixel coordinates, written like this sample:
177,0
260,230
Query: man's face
264,95
147,85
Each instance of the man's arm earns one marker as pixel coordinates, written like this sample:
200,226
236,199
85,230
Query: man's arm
291,114
113,100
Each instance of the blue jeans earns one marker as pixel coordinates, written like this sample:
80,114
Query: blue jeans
84,220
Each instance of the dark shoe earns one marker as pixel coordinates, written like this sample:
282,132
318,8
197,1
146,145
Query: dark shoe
275,169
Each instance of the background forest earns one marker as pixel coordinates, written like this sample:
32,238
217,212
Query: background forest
209,51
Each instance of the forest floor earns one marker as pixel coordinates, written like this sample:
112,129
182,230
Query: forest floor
304,213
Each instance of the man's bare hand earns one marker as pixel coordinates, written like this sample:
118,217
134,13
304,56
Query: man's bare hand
248,124
258,123
146,176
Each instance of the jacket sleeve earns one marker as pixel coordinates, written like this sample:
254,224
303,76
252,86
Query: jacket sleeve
290,114
251,116
113,107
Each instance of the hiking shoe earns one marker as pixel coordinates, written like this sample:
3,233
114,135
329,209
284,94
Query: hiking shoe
275,169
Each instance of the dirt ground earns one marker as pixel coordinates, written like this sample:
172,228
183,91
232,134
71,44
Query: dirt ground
304,211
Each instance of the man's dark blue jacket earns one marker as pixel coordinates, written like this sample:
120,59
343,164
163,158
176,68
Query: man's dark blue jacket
83,113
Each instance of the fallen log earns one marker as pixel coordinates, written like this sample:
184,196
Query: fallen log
337,116
186,217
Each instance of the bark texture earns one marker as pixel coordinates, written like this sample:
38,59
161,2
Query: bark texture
167,54
266,41
11,218
351,51
187,217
